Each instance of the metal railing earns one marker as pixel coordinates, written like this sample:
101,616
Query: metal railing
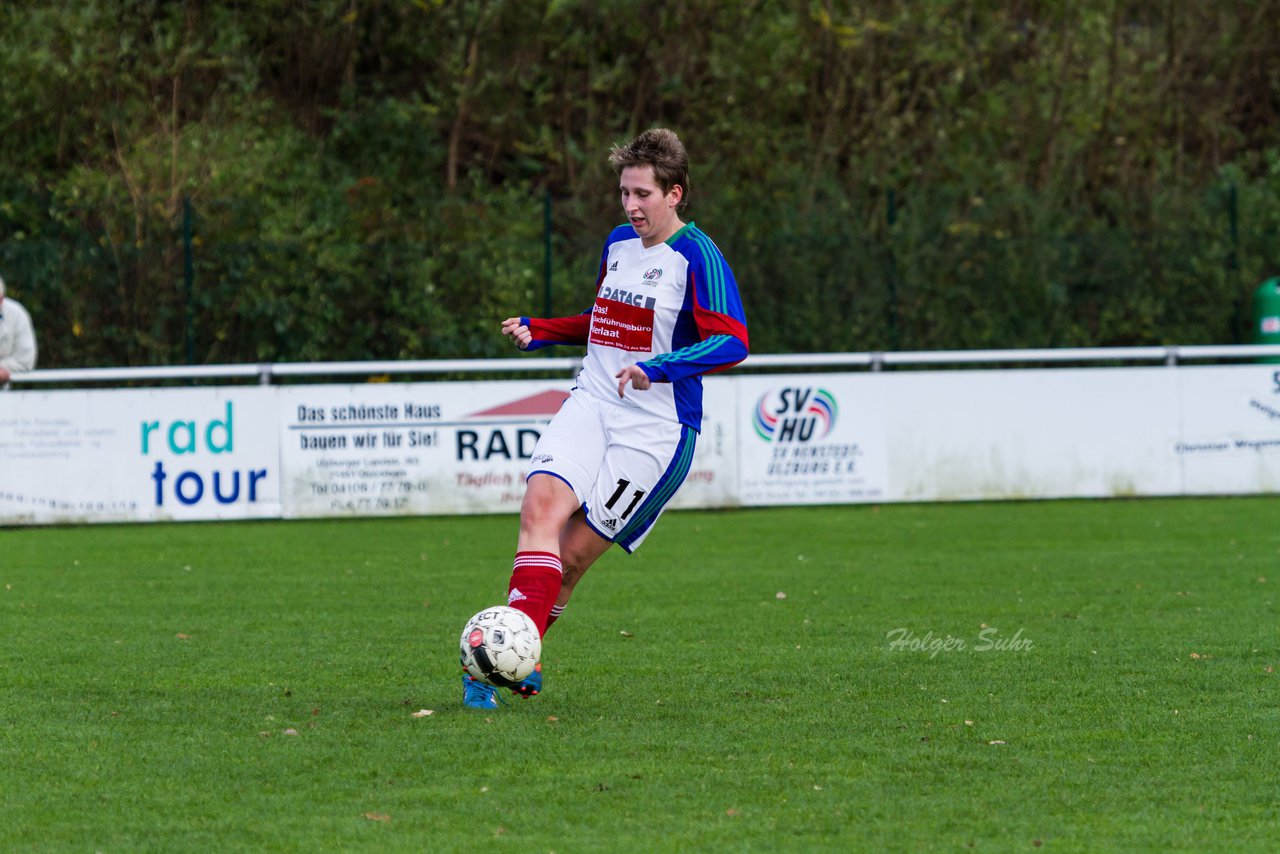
266,373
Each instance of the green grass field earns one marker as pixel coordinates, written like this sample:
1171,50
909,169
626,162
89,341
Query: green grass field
735,685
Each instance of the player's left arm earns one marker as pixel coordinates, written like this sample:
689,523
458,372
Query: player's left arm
720,321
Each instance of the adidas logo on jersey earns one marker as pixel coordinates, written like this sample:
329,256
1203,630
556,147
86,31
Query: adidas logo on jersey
613,268
611,524
515,596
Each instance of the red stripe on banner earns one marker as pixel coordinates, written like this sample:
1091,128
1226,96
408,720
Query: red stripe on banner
545,403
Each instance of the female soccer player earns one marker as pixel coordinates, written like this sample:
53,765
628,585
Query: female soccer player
666,311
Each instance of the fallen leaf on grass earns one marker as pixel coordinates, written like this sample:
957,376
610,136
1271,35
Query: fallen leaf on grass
552,718
181,636
997,741
730,812
377,816
626,634
423,713
290,731
780,595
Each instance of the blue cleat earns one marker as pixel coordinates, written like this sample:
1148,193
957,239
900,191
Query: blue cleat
531,685
477,694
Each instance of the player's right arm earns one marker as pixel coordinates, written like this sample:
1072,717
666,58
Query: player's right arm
533,333
517,329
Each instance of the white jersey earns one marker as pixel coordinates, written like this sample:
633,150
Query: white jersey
672,308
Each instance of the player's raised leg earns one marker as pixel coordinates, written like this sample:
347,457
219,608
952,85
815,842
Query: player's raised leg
537,571
565,463
580,547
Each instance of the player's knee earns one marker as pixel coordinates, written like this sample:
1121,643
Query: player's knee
544,510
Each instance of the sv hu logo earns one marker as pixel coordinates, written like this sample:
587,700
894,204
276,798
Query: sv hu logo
795,415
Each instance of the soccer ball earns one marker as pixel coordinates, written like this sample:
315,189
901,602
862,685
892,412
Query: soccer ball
500,645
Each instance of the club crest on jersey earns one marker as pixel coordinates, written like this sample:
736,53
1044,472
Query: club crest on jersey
653,275
627,298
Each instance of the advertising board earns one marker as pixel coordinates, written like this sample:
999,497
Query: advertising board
248,452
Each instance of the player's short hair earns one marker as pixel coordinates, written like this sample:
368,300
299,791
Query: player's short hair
661,149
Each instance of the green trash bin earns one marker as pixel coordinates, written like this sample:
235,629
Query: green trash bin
1266,315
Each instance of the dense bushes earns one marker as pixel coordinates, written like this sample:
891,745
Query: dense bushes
233,182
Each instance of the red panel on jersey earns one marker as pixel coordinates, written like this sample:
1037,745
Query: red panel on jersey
622,326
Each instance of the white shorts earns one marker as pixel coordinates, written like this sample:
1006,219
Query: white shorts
624,465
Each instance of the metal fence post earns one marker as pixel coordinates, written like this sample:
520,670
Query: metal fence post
546,254
891,274
188,276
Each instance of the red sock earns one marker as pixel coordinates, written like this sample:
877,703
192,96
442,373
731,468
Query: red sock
556,611
535,584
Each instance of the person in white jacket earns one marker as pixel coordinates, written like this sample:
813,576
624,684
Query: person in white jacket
17,339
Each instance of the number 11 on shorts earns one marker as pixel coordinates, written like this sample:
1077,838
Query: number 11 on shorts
617,494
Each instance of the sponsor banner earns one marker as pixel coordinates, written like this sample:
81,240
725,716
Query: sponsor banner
437,448
713,476
812,439
419,448
138,455
1230,438
431,448
622,326
971,435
